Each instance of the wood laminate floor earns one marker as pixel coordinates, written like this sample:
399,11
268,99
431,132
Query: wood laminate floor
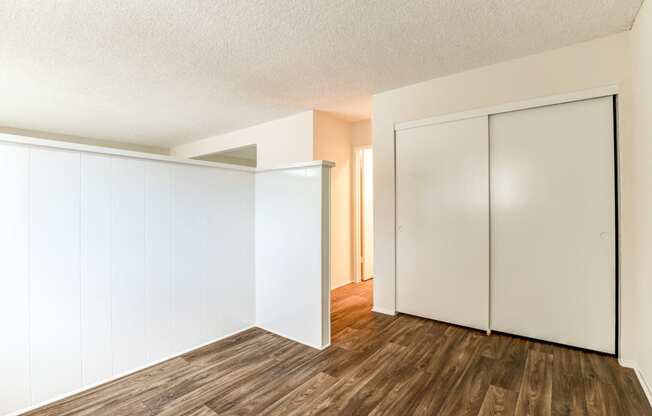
377,365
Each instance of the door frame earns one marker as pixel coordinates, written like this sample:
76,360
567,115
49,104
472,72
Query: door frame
605,91
357,211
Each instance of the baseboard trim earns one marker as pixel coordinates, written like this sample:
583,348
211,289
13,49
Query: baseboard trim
383,310
342,284
280,334
641,378
121,375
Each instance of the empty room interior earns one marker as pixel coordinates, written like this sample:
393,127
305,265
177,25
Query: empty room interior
289,208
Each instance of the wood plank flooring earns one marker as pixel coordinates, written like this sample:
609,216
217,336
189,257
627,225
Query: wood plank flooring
377,365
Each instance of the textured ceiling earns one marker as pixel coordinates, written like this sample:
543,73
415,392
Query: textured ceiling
165,72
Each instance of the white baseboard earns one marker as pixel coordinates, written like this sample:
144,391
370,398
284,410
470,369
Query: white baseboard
116,377
384,311
342,284
640,376
280,334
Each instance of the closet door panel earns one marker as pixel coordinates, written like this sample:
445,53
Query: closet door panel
442,189
553,223
128,265
14,279
96,266
55,298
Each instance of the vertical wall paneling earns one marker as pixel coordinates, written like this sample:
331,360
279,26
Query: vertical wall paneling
96,268
127,265
112,263
230,279
14,283
54,273
158,298
188,273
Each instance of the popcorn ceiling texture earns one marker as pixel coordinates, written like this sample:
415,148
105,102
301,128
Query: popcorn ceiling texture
165,72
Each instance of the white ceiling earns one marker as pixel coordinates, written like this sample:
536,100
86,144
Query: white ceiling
166,72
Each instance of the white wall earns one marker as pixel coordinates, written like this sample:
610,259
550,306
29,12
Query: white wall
333,142
112,263
597,63
279,142
641,37
292,293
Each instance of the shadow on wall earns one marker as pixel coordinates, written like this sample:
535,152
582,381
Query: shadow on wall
242,156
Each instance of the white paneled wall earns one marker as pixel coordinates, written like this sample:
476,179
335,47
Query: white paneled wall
97,364
112,263
292,232
158,261
54,272
128,264
14,296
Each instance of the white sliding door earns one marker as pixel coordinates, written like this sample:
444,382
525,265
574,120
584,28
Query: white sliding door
553,223
442,214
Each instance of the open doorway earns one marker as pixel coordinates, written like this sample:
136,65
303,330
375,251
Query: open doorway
349,144
363,228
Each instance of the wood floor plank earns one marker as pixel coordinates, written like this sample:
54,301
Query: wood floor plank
511,365
498,402
377,365
201,411
467,397
602,399
535,396
342,397
568,394
448,366
298,397
403,397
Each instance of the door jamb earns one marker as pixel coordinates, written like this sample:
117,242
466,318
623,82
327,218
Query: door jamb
357,211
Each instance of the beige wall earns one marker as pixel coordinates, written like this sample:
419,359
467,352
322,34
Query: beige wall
333,142
279,142
582,66
641,37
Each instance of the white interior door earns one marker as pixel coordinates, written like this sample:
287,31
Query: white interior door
553,223
442,194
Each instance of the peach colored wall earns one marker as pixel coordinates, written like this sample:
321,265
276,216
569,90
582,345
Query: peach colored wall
333,142
361,133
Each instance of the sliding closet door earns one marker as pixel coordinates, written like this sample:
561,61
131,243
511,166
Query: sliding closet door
442,194
553,223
